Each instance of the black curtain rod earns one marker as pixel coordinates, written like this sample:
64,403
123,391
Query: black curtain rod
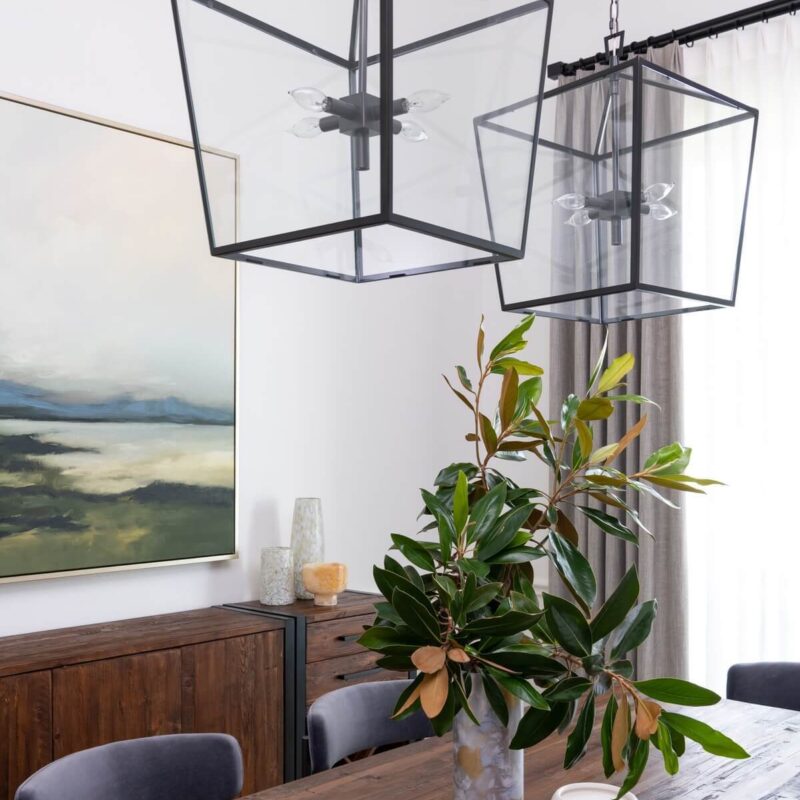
713,27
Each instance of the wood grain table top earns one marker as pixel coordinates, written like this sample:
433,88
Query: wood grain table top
422,771
351,604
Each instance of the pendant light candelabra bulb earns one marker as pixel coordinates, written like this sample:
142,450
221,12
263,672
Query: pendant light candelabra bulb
662,211
571,201
306,128
656,192
426,100
412,131
579,219
310,98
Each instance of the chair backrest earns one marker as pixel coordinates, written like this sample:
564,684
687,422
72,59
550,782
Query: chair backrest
356,718
775,683
201,766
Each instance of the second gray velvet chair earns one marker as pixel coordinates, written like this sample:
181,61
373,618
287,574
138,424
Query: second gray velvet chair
769,683
358,718
201,766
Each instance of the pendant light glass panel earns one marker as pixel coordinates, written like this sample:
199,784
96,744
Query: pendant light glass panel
357,153
639,198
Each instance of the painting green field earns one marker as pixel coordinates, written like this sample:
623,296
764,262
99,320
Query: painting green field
49,523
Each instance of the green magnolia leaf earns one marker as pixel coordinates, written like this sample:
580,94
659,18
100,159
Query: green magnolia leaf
579,738
508,397
536,725
461,502
488,434
664,741
446,584
473,566
460,395
637,762
678,742
568,625
615,609
513,341
572,688
414,552
584,437
462,701
522,689
486,512
482,596
632,398
383,639
569,409
595,408
599,364
616,371
386,611
418,616
465,381
387,581
671,483
504,531
396,663
448,477
712,741
527,661
609,524
673,690
496,699
404,695
606,729
521,367
518,555
672,459
530,390
634,630
574,570
503,625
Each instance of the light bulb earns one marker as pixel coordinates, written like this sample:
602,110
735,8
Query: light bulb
657,192
426,100
309,98
572,201
306,128
662,211
413,132
579,219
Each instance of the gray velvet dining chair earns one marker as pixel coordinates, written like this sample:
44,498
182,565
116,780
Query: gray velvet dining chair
355,719
769,683
189,766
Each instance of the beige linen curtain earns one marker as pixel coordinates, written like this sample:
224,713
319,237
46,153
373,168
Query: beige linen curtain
656,344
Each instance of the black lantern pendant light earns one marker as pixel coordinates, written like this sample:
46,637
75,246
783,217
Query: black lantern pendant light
639,195
381,176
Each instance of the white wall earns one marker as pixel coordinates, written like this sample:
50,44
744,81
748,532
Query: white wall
340,390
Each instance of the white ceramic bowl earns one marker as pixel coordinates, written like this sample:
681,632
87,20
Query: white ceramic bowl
590,791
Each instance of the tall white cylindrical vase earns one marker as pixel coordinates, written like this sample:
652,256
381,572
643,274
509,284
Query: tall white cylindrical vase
277,576
308,543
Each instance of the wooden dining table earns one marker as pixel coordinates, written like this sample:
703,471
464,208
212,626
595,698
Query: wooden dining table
423,770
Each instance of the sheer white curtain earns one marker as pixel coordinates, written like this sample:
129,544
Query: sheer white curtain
742,381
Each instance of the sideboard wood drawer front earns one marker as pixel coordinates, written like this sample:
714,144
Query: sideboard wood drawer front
335,638
334,673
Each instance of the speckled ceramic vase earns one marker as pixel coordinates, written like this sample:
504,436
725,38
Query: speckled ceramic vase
308,543
277,576
484,766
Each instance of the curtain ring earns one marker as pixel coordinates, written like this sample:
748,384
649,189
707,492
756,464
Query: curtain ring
690,43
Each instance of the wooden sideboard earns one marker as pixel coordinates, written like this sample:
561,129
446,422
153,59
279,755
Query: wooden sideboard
326,654
206,670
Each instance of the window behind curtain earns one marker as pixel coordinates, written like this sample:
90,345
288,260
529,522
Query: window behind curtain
742,380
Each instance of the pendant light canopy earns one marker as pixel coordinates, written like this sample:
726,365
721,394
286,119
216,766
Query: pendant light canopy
354,123
639,198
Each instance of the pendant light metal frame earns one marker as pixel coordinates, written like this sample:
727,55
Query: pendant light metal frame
634,67
495,252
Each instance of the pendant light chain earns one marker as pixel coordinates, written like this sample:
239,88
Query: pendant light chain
613,17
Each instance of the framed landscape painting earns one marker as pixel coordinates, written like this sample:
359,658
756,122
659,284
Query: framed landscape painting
117,349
